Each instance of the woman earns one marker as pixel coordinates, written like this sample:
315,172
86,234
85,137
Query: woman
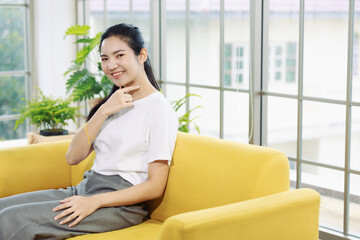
133,132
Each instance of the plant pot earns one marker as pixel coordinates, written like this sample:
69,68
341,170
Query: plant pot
33,138
47,132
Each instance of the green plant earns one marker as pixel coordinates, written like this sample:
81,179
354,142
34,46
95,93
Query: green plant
46,113
81,82
184,120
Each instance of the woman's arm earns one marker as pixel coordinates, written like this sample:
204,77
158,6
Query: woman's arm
79,207
81,145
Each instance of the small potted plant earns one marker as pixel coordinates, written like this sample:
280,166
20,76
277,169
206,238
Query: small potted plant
49,115
83,84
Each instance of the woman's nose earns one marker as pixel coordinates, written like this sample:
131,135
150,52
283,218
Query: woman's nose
112,64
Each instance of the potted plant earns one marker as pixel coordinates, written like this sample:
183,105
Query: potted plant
83,84
49,115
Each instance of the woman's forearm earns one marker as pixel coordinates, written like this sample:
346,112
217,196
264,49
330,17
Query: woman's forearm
81,145
132,195
153,188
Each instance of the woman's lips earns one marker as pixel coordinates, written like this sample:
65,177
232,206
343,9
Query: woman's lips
117,75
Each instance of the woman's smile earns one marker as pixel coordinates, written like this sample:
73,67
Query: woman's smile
117,74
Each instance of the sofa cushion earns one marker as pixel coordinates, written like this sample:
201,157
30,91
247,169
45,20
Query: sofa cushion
208,172
148,230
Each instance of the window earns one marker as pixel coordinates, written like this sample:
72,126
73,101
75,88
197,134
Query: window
193,50
14,69
312,124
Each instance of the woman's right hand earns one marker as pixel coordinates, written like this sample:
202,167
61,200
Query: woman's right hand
119,100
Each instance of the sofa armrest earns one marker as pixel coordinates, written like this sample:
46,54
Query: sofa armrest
34,167
288,215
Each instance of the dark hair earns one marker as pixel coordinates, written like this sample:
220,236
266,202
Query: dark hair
133,37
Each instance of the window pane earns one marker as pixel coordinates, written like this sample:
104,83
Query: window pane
330,184
283,44
282,124
12,38
7,132
354,226
293,175
208,120
117,12
175,41
236,116
141,19
356,54
355,138
175,93
324,133
325,49
12,90
12,1
204,42
237,41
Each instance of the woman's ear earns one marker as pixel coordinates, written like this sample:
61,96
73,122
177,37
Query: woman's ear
143,55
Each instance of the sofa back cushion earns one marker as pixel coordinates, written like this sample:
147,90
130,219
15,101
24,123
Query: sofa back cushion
208,172
34,167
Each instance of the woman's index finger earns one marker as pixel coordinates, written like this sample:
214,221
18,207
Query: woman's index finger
129,89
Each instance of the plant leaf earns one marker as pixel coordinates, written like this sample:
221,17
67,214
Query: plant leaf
78,30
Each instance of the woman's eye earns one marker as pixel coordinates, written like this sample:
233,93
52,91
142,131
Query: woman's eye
103,59
120,55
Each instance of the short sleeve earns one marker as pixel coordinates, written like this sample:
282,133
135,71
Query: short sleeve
162,136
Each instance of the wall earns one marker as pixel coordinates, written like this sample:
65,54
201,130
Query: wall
52,53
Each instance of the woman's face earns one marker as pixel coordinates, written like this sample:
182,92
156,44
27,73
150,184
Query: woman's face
119,62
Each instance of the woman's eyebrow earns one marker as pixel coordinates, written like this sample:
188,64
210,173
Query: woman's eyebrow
117,51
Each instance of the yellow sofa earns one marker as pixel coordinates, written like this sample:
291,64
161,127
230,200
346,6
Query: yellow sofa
217,189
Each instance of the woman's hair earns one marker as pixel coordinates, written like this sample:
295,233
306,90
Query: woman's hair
132,36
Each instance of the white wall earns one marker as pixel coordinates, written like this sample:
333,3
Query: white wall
52,53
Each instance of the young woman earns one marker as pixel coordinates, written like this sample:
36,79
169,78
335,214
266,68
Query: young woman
133,132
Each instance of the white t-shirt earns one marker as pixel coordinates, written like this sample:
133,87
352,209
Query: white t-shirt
134,137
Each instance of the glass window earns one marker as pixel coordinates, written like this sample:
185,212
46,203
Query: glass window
175,41
227,65
227,50
325,49
330,184
208,116
290,76
278,63
236,116
239,51
240,78
204,42
282,124
12,38
278,76
356,53
324,133
14,74
237,33
278,50
355,138
227,82
354,212
282,46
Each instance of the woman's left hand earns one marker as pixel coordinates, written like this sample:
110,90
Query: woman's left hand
76,208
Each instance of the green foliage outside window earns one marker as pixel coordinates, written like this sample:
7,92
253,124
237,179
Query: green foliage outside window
12,49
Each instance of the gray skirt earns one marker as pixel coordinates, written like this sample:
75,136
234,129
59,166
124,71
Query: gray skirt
30,216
